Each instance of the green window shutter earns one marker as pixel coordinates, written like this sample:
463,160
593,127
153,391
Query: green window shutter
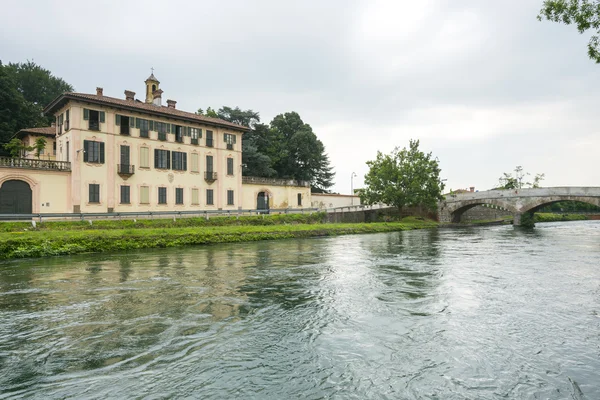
131,122
101,152
199,133
102,116
234,139
137,123
117,119
173,128
155,158
168,128
168,160
151,123
184,161
225,137
86,150
86,114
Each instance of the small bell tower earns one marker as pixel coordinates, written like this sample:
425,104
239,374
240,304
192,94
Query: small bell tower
152,84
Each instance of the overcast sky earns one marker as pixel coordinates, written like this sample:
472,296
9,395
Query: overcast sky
483,85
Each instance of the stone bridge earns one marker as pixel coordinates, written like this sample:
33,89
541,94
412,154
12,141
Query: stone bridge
517,201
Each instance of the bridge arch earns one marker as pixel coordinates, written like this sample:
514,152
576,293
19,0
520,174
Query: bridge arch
456,211
534,206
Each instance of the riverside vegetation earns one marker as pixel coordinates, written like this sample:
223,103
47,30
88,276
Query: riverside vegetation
21,240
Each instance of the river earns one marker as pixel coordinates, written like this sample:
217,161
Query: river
473,313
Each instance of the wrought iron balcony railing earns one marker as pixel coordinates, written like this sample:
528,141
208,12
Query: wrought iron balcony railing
27,163
209,143
194,141
229,146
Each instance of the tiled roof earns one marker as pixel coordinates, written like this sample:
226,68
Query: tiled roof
152,78
45,131
141,107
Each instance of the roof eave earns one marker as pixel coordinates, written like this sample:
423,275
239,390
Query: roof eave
67,96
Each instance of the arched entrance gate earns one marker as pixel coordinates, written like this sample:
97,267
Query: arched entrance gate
15,197
262,202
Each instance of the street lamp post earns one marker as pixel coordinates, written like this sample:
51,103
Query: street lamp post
352,187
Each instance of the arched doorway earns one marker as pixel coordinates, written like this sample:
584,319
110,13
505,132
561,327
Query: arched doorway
15,197
262,201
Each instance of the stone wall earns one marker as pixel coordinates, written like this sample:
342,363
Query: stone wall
482,213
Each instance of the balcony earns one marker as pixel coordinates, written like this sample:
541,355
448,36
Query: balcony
229,146
125,169
125,130
194,141
210,176
144,133
94,125
209,143
26,163
162,136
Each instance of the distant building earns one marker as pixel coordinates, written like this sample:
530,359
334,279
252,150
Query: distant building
106,154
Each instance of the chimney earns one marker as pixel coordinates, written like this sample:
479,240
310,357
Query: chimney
157,97
171,103
99,91
129,95
472,188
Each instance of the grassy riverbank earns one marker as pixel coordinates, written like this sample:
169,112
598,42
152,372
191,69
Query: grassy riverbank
553,217
46,242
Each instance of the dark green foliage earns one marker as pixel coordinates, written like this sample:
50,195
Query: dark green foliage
569,206
404,178
25,89
43,244
585,14
527,220
287,148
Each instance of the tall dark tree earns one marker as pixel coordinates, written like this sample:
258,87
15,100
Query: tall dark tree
302,155
238,116
25,88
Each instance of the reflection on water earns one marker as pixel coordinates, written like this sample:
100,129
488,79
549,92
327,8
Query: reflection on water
476,313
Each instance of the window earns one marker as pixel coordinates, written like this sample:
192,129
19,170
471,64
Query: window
94,118
162,159
209,197
230,197
209,139
230,166
93,152
125,198
67,120
178,195
144,194
179,161
178,131
59,122
54,148
162,129
144,157
195,196
195,134
162,195
230,139
144,126
94,193
195,163
299,199
124,123
209,163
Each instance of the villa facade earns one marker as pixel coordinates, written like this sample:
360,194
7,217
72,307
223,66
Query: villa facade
105,154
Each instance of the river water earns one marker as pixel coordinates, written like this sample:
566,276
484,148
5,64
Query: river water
473,313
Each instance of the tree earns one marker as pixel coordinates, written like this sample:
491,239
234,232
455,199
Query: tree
39,146
16,148
404,178
25,88
297,153
238,116
585,14
510,181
